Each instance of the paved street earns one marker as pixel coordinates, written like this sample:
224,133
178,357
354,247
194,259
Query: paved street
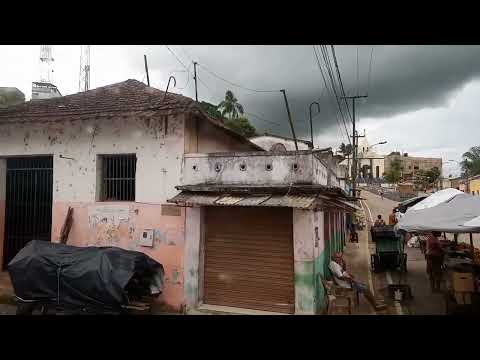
424,302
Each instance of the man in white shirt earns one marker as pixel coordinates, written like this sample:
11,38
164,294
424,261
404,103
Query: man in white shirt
346,280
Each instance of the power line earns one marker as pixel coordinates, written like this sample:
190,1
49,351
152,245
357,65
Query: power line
340,80
262,119
369,71
357,70
176,57
328,92
329,70
180,61
236,85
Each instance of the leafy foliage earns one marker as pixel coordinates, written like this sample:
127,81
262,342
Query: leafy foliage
230,106
394,175
471,161
345,149
211,110
241,126
426,178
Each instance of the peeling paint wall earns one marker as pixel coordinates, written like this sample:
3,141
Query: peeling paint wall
254,168
304,266
193,236
159,143
159,150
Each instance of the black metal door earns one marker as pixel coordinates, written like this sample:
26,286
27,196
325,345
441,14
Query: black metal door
28,212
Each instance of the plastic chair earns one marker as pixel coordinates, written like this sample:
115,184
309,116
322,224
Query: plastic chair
334,299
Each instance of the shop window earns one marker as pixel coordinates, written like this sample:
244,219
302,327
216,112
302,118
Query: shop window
117,177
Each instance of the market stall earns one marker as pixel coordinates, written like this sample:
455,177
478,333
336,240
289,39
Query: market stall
453,214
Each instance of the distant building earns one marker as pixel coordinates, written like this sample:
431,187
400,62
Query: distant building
370,163
445,183
271,142
474,185
44,90
409,165
11,96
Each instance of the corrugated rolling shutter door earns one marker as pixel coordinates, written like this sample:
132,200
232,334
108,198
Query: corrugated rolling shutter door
249,258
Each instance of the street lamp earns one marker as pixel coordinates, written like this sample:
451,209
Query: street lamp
380,143
466,174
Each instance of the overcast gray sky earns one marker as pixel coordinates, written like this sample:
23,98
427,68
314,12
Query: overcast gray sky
422,99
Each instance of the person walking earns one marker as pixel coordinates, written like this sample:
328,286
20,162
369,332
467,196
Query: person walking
392,219
434,255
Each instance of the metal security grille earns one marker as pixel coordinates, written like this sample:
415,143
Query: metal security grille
249,258
118,177
28,212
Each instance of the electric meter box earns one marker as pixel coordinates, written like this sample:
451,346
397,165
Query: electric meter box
146,237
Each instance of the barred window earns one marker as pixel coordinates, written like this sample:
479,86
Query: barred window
118,177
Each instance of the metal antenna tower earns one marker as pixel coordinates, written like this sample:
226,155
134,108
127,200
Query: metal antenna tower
46,63
84,78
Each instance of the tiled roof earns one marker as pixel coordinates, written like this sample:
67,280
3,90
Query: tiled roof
124,97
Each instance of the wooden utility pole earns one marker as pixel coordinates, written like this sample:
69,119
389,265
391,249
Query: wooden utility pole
290,119
146,69
355,136
195,78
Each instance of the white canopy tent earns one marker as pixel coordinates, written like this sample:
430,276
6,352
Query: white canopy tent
460,214
452,216
435,199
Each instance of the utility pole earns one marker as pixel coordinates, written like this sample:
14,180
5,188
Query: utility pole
354,136
290,119
146,69
195,78
311,122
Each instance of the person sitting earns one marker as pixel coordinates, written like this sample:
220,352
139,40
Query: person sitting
379,221
414,241
346,280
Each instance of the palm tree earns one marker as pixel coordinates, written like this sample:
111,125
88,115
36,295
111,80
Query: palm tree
346,151
471,161
230,106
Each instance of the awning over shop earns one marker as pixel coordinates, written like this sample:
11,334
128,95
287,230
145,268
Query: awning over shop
216,199
299,196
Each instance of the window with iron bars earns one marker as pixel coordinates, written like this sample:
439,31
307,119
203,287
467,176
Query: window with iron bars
117,177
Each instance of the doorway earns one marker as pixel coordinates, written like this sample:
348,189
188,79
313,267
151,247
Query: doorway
28,205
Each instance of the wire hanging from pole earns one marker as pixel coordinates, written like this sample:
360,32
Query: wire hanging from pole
369,71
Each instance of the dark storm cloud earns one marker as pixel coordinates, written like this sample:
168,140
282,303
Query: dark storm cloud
403,78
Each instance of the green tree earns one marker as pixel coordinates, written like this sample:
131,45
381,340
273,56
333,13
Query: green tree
345,150
394,175
211,110
471,161
433,175
427,178
241,126
230,106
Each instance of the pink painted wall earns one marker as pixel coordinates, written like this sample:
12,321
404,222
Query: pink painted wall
168,243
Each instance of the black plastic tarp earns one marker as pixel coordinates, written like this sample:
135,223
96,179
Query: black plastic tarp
98,277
